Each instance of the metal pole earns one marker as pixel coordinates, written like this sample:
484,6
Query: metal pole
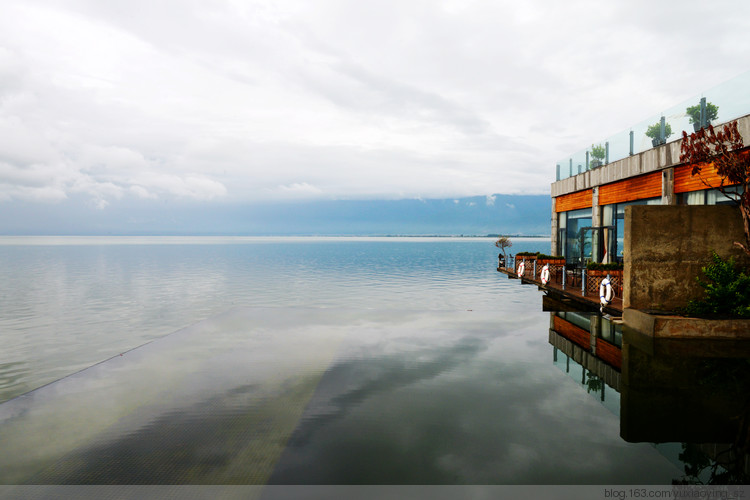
703,113
662,130
571,167
563,279
583,281
587,160
558,165
606,153
631,144
534,277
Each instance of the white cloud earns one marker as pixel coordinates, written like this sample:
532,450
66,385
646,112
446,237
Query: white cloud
258,100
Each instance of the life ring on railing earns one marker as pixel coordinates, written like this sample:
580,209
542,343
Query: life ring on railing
521,268
605,291
545,274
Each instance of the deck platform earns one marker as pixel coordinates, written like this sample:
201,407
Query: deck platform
572,292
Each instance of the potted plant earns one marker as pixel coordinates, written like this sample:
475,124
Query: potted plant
654,132
694,114
597,153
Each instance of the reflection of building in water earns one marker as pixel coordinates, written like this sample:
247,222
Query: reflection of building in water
669,392
587,347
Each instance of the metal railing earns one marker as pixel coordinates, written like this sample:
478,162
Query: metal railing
723,103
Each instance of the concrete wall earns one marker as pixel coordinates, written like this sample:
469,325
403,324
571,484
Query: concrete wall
666,246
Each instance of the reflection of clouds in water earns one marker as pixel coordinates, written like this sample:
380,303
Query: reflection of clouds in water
460,417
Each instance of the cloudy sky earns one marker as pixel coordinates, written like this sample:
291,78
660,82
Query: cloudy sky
247,102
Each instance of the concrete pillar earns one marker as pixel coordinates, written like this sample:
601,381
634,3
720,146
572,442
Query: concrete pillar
595,215
667,187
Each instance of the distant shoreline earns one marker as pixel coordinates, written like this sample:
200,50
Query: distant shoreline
188,235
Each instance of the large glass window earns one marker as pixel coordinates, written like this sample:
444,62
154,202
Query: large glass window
574,235
708,197
619,223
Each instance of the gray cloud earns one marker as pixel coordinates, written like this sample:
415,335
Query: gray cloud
275,100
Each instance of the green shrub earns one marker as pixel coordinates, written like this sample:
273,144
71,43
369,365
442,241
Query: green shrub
727,290
611,266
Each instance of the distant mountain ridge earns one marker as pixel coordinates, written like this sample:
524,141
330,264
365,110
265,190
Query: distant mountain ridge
479,215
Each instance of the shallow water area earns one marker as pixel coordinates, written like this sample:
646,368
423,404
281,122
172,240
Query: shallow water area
308,396
294,361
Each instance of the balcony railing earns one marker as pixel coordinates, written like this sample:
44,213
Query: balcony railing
723,103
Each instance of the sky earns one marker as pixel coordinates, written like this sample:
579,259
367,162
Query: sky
220,103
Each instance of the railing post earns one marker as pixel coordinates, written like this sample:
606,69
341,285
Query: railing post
583,281
534,276
704,113
631,144
563,278
606,153
662,130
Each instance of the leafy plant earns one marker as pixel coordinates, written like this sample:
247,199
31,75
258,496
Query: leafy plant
727,290
654,131
694,112
550,257
610,266
706,148
598,152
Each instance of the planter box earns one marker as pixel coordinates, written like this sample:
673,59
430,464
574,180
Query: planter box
594,279
555,269
529,269
679,327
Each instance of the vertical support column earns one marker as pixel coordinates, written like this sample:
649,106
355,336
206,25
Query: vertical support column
533,276
606,153
563,277
587,160
704,113
571,167
557,176
668,196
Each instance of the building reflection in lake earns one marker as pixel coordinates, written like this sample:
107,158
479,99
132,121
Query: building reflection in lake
690,399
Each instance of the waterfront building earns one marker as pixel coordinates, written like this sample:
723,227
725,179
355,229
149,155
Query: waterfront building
639,166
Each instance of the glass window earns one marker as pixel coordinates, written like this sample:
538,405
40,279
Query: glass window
576,221
620,222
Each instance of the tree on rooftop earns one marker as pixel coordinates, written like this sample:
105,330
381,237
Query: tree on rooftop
722,150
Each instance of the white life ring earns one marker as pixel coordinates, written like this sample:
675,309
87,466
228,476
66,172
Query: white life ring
521,268
605,292
545,274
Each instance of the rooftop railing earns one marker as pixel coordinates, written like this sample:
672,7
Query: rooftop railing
723,103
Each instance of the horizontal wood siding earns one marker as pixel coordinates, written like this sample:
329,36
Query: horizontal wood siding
575,334
609,353
685,181
573,201
634,188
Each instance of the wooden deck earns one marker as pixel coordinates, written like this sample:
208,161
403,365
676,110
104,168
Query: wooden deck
586,298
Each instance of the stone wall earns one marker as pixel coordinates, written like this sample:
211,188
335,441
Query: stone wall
666,246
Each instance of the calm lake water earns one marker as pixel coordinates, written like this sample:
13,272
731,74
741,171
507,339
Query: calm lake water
294,361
